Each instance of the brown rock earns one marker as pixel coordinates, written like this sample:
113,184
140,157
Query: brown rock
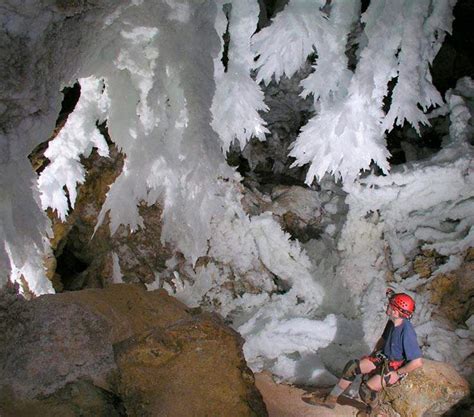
453,292
56,339
429,391
469,255
128,308
424,265
78,353
80,398
192,368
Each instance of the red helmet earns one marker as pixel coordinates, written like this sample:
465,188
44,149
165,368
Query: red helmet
403,303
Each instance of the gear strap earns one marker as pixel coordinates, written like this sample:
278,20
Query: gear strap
385,365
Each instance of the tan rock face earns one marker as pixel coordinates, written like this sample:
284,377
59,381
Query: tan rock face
193,368
452,292
113,351
128,309
429,391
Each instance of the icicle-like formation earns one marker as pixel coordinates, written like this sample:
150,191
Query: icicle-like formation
23,229
159,90
172,153
282,47
39,52
347,133
425,25
76,138
331,75
347,136
238,98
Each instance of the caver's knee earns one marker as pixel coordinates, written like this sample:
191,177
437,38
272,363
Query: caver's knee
367,394
351,370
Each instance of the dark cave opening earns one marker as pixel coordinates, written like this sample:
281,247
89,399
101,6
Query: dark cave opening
406,145
71,96
69,268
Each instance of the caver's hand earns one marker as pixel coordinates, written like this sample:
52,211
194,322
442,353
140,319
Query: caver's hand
391,378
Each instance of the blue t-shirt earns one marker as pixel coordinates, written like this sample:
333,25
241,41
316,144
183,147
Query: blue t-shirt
400,342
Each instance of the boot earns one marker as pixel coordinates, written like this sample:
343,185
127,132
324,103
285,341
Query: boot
367,412
328,401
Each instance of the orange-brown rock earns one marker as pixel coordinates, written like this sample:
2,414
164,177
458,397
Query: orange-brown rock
423,266
429,391
452,292
76,353
192,368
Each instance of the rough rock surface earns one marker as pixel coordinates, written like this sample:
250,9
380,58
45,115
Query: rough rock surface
167,372
429,391
76,353
80,398
453,292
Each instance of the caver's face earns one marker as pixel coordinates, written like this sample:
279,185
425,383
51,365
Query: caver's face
392,313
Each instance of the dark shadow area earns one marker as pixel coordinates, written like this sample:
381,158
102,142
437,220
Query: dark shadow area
71,97
79,398
69,268
226,37
465,408
406,145
334,356
455,59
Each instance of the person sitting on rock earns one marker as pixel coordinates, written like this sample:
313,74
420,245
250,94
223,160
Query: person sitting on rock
395,354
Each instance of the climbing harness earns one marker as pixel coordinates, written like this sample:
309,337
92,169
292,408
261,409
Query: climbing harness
383,366
386,366
381,361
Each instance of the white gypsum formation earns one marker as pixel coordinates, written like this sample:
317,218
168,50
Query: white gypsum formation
153,70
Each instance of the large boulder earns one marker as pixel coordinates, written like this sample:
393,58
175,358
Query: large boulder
192,368
429,391
74,354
